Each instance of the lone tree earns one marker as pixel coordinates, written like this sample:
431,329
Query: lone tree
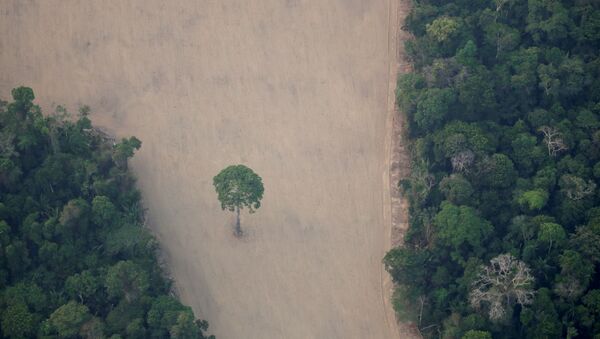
238,187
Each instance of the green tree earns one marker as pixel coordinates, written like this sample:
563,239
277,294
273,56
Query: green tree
541,320
69,319
164,314
576,273
18,322
82,285
104,211
551,234
473,334
433,108
533,200
503,118
135,329
545,178
592,304
457,189
407,266
461,225
71,231
28,294
443,28
93,329
547,20
124,150
586,240
525,152
124,318
498,171
185,327
237,187
126,279
475,93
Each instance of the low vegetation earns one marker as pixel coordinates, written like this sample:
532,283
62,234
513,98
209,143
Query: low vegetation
503,108
75,258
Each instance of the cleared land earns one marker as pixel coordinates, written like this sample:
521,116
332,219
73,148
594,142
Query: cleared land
295,89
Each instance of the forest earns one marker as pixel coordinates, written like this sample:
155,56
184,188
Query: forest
503,110
76,260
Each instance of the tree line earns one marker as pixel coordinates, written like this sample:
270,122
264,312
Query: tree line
75,258
503,110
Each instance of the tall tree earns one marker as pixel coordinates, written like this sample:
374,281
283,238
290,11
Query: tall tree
237,187
500,285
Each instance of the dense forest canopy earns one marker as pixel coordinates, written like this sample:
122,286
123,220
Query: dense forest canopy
504,122
75,258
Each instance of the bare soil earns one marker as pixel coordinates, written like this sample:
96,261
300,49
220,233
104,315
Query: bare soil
298,90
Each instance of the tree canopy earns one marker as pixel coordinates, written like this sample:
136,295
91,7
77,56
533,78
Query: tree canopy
504,128
237,187
75,258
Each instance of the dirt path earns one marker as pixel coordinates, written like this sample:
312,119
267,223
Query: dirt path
296,89
395,207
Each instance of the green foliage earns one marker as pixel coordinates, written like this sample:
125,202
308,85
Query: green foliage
551,232
124,150
458,226
405,304
18,322
534,200
68,319
457,189
238,186
75,260
441,29
433,107
168,316
498,171
407,266
503,116
185,327
103,210
82,285
473,334
126,280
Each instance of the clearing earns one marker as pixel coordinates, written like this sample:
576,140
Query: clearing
295,89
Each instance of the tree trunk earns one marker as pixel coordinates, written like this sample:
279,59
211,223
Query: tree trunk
422,299
238,227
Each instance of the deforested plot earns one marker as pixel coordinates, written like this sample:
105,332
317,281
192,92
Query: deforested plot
294,89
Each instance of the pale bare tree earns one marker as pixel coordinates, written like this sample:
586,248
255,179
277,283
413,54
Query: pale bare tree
504,283
569,288
553,140
462,161
427,219
422,181
576,188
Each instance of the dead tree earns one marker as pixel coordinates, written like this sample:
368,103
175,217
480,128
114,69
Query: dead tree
576,188
569,288
553,140
462,161
502,284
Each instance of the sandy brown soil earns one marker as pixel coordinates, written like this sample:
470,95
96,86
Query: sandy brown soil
398,156
295,89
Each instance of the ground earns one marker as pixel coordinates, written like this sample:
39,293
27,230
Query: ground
295,89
